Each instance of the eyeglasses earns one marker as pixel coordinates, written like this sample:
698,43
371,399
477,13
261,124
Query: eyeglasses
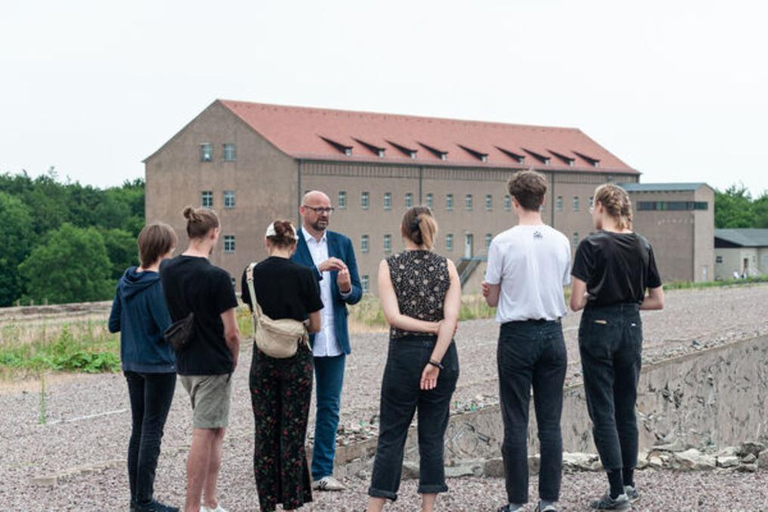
323,209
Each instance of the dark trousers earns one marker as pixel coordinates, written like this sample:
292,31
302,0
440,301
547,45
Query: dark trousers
532,354
610,343
281,390
151,395
401,396
329,380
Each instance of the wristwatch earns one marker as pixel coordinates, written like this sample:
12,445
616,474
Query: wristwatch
436,363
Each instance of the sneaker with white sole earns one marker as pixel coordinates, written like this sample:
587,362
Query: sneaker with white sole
621,502
549,508
631,492
218,508
328,483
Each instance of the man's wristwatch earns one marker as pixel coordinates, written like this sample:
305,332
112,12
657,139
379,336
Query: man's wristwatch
436,363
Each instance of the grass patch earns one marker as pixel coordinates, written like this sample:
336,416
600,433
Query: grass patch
367,315
687,285
79,347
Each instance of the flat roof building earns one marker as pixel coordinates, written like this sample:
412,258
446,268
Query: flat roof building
252,163
741,252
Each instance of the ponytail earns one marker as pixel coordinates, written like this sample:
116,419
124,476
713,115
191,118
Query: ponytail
419,226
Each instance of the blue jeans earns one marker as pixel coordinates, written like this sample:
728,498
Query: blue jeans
151,395
532,354
329,378
610,343
400,397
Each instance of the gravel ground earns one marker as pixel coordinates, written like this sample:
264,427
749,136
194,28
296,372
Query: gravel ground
88,422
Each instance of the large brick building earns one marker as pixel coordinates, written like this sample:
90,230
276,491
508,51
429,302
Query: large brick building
253,162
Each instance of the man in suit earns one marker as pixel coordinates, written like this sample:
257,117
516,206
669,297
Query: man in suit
333,258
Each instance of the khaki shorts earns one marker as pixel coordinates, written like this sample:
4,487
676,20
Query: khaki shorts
210,395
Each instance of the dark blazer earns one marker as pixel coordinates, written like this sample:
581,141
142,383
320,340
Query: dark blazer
339,246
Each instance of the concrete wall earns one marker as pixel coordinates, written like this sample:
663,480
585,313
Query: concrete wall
734,258
715,396
263,178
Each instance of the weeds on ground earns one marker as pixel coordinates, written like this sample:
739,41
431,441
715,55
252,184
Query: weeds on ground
687,285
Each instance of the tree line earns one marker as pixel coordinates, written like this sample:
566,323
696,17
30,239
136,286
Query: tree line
65,242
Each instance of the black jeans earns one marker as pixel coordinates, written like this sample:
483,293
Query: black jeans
400,397
532,353
151,395
610,343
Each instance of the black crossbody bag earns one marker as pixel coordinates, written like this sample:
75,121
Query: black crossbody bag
179,334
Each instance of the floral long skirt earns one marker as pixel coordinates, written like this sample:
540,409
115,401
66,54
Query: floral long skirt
281,390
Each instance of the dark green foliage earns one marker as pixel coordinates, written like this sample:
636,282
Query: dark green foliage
735,208
34,209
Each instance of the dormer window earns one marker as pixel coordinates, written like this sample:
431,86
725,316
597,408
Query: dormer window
538,156
348,151
594,162
517,157
439,153
381,153
343,148
376,150
483,157
409,152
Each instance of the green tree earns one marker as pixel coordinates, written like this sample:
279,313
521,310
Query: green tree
17,235
121,249
761,211
71,266
734,208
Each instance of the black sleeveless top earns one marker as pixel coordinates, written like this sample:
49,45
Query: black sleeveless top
421,281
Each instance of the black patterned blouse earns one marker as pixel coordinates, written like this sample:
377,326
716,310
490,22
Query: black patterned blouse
421,281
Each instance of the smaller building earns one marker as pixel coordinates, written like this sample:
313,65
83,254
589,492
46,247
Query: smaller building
741,252
678,219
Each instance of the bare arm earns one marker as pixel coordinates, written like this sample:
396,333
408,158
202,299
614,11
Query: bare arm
315,322
654,300
231,333
451,309
578,294
491,293
388,300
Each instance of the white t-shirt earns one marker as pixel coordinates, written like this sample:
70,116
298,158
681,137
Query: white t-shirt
532,264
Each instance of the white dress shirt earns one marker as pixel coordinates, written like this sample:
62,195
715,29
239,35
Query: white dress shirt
326,344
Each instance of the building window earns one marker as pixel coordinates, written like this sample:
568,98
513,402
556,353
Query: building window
718,259
559,204
468,202
387,200
591,201
672,205
575,203
408,200
508,203
365,282
449,242
206,199
488,240
230,153
449,202
229,199
387,243
342,200
575,238
430,201
488,202
233,281
365,200
364,243
206,152
229,244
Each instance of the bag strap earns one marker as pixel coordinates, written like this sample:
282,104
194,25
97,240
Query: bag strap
256,314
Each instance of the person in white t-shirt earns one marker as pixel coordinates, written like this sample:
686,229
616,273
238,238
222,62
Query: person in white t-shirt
528,267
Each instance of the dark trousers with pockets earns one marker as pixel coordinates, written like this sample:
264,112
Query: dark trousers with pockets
329,381
151,395
401,396
532,354
610,343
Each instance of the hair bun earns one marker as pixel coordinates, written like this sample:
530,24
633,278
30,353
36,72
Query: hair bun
189,213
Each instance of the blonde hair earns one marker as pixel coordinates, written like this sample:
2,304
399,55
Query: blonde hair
616,202
419,226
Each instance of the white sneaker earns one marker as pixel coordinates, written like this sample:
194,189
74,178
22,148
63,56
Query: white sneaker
219,508
328,483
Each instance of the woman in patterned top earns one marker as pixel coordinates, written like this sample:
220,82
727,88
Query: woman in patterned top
420,294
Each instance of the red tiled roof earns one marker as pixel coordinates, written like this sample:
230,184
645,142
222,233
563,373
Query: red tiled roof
324,134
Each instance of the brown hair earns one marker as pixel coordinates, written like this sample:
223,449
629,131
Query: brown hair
529,188
155,241
200,221
616,202
285,234
419,226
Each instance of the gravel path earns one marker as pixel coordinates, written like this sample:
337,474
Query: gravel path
88,421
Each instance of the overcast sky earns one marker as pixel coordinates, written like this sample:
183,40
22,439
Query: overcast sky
677,89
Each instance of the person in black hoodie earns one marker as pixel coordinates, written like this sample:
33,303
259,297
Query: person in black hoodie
140,315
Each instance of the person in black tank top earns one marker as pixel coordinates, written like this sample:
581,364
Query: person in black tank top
612,270
420,294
